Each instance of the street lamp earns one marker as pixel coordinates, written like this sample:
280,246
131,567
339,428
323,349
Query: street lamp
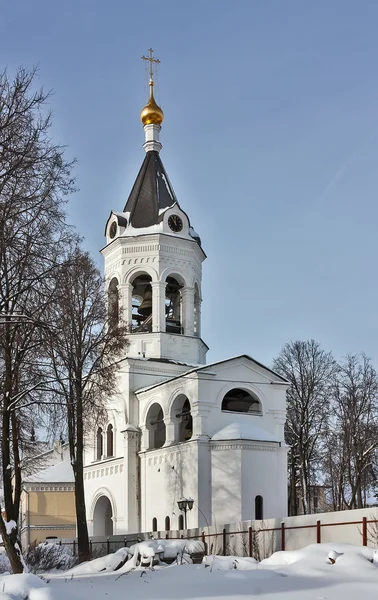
184,505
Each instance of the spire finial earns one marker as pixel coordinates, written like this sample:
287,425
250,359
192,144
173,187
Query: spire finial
152,113
151,60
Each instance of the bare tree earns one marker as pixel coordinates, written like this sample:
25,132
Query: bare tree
85,342
34,178
309,369
350,463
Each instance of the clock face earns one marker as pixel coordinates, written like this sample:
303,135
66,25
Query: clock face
175,223
113,230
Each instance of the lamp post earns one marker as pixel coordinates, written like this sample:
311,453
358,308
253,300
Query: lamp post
184,505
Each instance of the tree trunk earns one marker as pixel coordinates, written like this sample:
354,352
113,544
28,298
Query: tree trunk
81,516
13,555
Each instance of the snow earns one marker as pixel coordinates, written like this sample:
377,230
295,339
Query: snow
244,431
9,526
59,473
303,574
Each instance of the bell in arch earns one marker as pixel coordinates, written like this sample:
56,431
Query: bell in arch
145,308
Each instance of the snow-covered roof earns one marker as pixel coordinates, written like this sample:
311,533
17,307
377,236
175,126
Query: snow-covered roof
60,473
219,362
244,431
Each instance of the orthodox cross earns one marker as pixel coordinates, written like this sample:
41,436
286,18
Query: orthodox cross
151,60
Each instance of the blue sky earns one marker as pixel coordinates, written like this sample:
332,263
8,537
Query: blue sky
270,139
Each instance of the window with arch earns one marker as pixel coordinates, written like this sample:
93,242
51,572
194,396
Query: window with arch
156,427
259,506
154,524
181,413
109,441
241,401
113,302
99,444
181,522
173,306
167,524
141,303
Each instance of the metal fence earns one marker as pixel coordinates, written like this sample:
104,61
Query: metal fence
255,540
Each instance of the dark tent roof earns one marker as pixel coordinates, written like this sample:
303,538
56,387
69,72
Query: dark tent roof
152,192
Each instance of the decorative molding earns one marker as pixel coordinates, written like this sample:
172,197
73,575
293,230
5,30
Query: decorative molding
245,445
50,487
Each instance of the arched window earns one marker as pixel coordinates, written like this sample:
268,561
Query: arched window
182,417
99,444
259,513
142,304
109,441
154,524
167,524
241,401
113,304
156,426
181,522
173,306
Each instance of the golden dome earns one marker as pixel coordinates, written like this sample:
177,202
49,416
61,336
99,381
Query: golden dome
152,113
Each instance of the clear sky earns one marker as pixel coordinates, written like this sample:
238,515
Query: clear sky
270,141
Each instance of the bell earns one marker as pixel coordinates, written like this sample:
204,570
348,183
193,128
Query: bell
146,306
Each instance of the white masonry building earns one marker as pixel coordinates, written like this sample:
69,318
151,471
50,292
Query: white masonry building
177,428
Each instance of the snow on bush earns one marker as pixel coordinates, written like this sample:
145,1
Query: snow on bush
224,563
110,562
5,566
47,557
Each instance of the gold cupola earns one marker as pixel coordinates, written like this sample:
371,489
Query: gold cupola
152,113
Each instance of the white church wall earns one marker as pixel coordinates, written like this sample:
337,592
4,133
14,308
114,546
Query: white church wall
106,478
261,468
167,475
225,484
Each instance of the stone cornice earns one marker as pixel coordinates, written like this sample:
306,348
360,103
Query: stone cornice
245,445
49,487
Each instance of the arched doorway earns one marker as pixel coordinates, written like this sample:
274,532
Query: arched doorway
102,517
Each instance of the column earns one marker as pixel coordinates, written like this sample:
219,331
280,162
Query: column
169,431
126,297
188,310
158,306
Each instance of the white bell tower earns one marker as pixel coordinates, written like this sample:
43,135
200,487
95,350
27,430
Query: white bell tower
153,260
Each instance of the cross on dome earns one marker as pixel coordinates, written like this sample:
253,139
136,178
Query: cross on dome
151,60
151,113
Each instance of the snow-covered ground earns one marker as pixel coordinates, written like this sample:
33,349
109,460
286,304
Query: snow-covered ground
307,574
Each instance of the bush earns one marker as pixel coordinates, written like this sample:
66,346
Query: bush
47,557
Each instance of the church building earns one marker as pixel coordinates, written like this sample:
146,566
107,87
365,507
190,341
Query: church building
177,428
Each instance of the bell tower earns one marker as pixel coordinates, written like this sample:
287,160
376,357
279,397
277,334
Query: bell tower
153,258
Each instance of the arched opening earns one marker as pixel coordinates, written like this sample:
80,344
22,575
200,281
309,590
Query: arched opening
102,517
197,312
183,419
259,508
167,524
142,304
113,302
154,524
241,401
109,441
99,444
181,522
156,427
173,306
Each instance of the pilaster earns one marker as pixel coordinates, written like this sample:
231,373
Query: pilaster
131,445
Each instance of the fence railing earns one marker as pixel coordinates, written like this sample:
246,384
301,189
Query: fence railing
254,539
